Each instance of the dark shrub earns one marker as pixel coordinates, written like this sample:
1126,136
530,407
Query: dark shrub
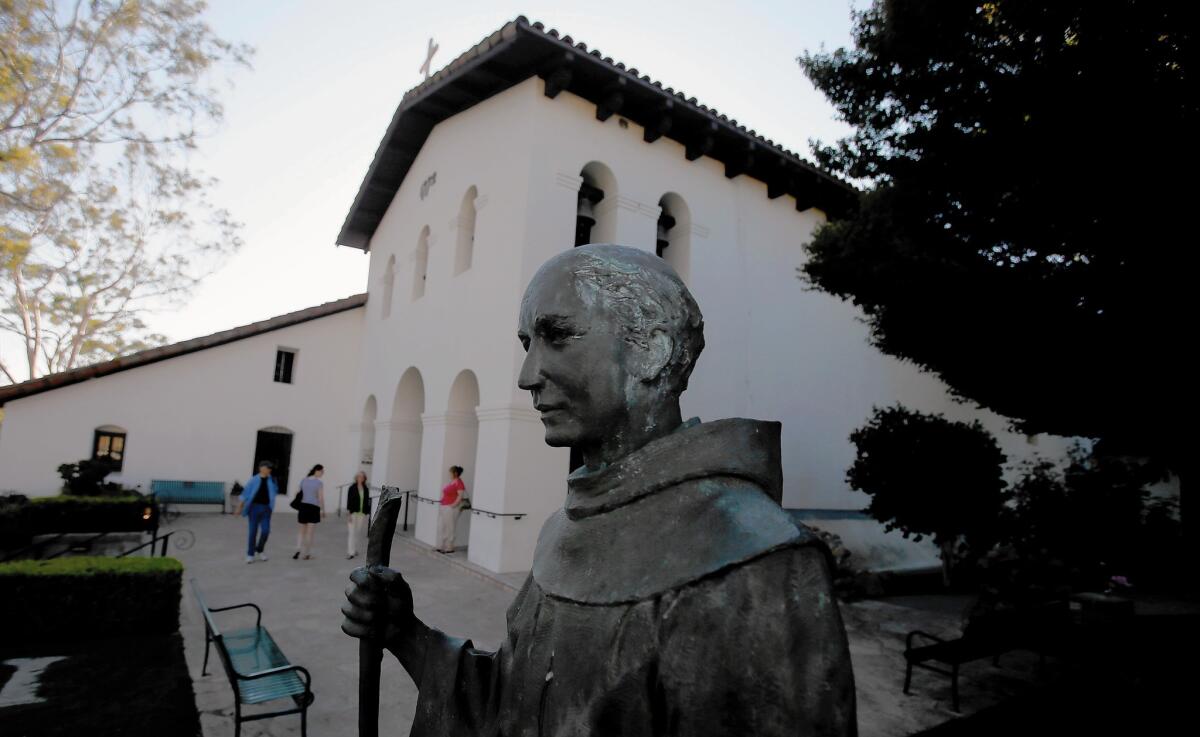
86,478
89,598
929,476
47,515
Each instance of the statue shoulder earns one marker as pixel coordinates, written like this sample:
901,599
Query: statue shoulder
667,540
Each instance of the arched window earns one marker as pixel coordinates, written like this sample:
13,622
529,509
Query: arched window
673,241
389,285
108,444
366,447
596,223
421,264
466,232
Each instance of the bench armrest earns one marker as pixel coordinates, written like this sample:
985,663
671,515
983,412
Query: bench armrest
908,641
281,669
257,621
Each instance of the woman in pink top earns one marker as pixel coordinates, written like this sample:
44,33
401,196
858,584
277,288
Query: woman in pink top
452,499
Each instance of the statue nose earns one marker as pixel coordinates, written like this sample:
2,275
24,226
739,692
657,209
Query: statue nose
531,377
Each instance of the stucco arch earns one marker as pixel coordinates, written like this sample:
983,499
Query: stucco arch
404,451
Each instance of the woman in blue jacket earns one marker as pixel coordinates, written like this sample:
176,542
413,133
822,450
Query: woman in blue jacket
260,491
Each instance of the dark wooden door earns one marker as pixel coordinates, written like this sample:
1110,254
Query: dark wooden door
277,448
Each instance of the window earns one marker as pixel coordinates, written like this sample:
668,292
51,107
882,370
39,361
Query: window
595,211
585,213
466,232
389,281
421,264
285,364
673,242
109,445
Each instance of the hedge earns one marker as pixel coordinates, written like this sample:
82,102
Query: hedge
89,597
45,515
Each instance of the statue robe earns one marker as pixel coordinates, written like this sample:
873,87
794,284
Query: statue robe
671,596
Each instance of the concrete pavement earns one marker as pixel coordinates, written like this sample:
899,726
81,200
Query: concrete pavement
301,601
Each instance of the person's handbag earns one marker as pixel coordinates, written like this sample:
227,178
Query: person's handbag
297,500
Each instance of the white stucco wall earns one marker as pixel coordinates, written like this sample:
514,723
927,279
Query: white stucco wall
774,350
196,417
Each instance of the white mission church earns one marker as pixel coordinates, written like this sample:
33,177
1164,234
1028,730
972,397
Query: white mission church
525,145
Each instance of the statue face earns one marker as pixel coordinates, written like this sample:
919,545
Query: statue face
575,364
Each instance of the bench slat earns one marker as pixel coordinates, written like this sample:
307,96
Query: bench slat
270,688
189,492
253,650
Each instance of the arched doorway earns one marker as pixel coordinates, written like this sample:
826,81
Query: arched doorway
462,439
404,453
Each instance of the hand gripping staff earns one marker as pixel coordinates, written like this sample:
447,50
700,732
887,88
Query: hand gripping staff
370,653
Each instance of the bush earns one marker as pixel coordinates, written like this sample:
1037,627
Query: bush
1077,527
928,476
86,478
89,597
19,522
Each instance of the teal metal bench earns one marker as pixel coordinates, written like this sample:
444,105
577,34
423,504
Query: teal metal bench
257,669
188,492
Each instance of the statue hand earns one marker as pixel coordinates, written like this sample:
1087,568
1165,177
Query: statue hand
379,606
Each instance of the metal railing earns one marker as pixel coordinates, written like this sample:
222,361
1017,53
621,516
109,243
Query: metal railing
185,541
495,515
468,507
408,494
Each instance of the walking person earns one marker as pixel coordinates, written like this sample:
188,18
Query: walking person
358,504
312,509
451,504
260,491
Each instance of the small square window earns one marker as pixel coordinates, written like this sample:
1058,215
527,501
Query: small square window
109,446
285,363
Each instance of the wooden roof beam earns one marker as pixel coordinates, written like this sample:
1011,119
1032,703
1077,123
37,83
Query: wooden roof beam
660,122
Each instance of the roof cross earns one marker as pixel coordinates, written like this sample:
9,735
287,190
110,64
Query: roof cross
428,58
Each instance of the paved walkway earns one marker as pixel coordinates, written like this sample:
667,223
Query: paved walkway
301,602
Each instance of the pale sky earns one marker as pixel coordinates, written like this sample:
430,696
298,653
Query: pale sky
301,127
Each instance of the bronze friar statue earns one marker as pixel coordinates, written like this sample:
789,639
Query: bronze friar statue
671,595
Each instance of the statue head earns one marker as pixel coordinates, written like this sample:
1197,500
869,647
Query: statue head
611,335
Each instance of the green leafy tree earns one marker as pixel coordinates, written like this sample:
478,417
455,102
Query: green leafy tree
101,217
1024,233
929,476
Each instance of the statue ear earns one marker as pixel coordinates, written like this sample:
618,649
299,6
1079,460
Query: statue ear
658,354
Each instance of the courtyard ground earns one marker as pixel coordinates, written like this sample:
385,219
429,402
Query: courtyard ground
301,601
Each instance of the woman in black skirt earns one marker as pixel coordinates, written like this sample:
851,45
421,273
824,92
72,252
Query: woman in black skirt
312,509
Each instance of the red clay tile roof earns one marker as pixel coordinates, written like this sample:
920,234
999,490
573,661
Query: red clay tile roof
521,50
153,355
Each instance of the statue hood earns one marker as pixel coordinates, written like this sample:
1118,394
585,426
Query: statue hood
682,507
737,448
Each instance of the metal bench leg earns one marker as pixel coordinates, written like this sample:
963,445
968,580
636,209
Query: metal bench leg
954,688
207,644
237,715
304,721
908,677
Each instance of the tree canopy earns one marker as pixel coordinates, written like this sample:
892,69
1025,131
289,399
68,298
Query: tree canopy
101,215
1023,233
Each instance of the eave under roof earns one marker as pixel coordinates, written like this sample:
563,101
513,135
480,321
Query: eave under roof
522,49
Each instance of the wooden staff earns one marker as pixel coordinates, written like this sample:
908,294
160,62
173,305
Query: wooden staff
370,654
